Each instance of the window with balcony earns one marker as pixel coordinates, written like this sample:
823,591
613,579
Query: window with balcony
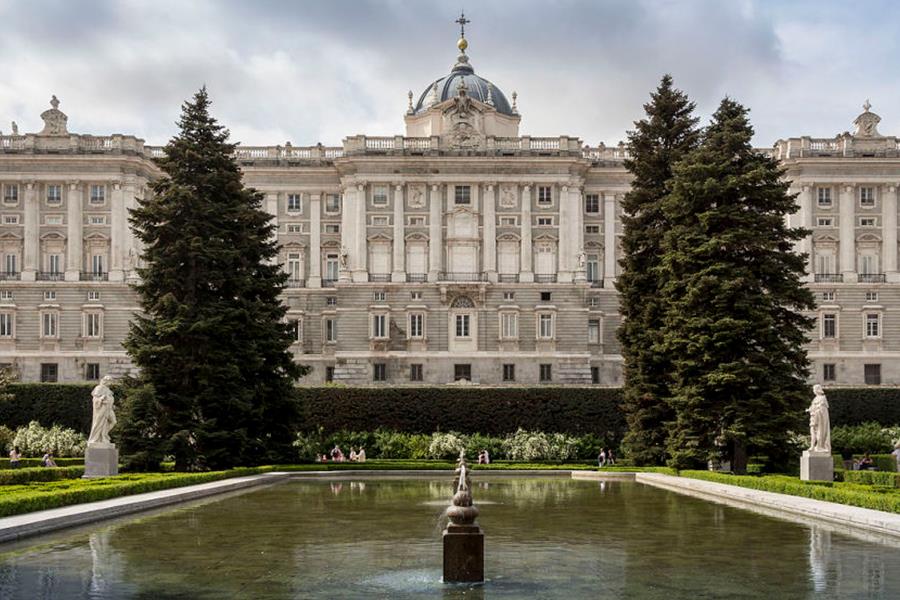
379,326
380,195
546,373
509,325
829,326
592,203
54,194
11,265
97,195
294,267
333,203
873,325
416,372
54,264
867,197
545,195
823,195
416,325
872,374
462,195
509,372
332,268
97,263
294,203
592,268
829,372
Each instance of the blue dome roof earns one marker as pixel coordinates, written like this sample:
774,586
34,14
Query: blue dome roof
477,87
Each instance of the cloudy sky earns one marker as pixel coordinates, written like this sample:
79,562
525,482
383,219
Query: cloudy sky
317,71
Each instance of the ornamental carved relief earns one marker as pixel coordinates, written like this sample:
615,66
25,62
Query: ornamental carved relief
417,196
507,196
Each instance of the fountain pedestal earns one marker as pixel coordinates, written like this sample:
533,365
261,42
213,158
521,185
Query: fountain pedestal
463,554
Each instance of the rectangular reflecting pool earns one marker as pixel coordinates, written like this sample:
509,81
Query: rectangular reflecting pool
544,538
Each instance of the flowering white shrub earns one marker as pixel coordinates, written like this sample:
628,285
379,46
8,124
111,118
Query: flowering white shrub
536,445
34,440
446,445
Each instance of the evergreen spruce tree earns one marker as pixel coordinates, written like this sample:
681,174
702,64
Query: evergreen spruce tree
664,137
212,339
733,325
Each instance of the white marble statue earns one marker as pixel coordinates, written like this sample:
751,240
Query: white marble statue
344,257
819,423
580,258
104,415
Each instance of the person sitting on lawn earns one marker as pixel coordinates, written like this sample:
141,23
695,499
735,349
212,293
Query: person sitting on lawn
336,454
353,455
361,455
866,463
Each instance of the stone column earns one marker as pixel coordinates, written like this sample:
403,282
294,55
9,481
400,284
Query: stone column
848,232
578,232
526,249
489,232
399,260
435,229
565,253
360,255
118,233
806,221
609,239
889,243
348,229
74,229
32,242
315,241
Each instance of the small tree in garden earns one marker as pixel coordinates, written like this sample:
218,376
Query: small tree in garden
733,324
212,339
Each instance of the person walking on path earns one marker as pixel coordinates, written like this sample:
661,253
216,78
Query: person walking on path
14,457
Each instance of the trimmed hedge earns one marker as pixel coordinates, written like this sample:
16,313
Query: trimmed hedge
36,462
66,404
35,474
853,406
491,411
885,478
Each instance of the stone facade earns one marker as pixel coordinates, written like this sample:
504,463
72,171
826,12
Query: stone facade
461,251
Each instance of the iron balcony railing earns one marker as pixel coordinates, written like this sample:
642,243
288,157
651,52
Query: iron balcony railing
596,283
380,277
51,276
295,283
10,276
451,276
871,278
417,277
92,276
829,278
329,282
508,277
545,277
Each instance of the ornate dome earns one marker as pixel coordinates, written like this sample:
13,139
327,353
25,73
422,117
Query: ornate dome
477,87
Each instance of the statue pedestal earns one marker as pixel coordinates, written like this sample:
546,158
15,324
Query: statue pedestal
816,466
101,460
463,554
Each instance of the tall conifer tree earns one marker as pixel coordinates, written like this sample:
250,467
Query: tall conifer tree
733,326
663,137
212,339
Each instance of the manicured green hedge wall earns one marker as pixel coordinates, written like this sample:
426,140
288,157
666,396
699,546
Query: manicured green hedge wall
66,404
852,406
491,411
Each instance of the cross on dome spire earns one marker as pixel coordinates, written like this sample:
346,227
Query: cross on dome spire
462,44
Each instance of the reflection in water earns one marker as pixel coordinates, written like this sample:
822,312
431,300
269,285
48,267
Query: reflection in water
548,538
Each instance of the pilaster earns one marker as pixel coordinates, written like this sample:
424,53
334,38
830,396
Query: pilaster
118,231
315,241
565,252
32,234
74,231
848,232
348,231
359,258
489,232
399,271
435,230
889,243
609,239
577,235
526,250
806,221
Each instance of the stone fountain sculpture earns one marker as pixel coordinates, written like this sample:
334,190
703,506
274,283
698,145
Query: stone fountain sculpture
816,464
101,458
463,538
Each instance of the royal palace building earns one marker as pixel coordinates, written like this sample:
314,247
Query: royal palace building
461,251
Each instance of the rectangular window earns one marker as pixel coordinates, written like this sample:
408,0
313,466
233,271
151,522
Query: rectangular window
824,197
545,326
294,267
49,372
49,295
380,195
509,295
332,228
545,296
825,221
867,197
415,372
10,219
11,194
416,221
331,301
462,326
594,301
98,194
873,325
329,374
379,372
415,295
93,296
592,229
828,296
92,371
49,324
11,264
592,203
380,221
594,331
592,267
294,228
54,194
416,325
872,374
53,220
379,326
462,194
868,264
868,222
545,195
825,263
6,325
298,330
92,322
293,203
828,372
461,372
333,203
6,295
546,373
545,221
330,331
509,372
829,325
871,296
54,264
509,326
379,296
331,268
97,264
509,221
595,375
